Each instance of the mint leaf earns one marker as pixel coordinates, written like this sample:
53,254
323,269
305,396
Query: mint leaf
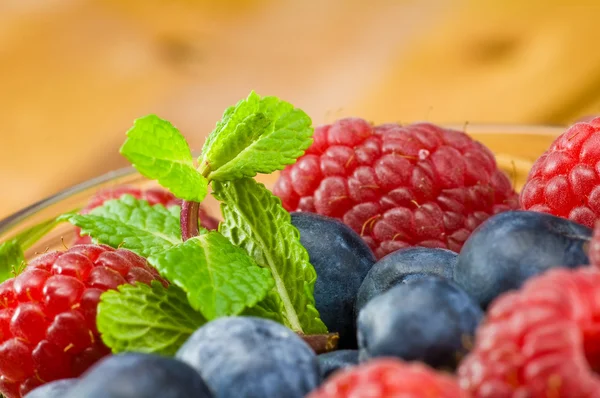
132,224
12,257
271,307
160,152
150,319
258,135
255,221
219,278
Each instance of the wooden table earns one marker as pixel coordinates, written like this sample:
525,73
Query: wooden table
74,74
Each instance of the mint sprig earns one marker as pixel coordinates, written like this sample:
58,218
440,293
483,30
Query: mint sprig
255,264
132,224
218,277
255,221
149,319
159,151
258,135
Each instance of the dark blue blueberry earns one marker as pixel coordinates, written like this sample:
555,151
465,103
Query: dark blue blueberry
402,266
247,357
342,260
336,360
55,389
507,249
140,376
427,320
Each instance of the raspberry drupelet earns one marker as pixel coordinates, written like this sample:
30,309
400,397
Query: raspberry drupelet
48,313
398,186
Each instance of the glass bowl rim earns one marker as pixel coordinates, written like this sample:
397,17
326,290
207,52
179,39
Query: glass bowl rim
15,218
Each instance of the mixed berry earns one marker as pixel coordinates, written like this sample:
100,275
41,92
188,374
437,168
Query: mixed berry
389,261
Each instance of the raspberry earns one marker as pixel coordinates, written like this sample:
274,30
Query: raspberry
540,341
48,313
565,180
594,251
382,378
398,186
153,196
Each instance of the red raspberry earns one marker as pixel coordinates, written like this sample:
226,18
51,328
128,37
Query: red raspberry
565,180
540,341
387,377
398,186
48,313
153,196
594,251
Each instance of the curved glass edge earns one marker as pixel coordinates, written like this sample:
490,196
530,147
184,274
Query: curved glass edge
14,220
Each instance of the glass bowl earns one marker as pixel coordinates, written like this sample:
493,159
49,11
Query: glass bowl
515,147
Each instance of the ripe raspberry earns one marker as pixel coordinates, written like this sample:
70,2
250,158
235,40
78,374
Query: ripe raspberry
540,341
594,250
565,180
398,186
153,196
382,378
48,313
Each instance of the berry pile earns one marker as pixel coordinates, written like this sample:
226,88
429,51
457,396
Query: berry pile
48,313
398,186
435,282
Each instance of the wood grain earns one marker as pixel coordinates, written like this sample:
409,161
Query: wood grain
74,74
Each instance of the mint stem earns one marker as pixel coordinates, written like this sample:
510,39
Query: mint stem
188,219
321,343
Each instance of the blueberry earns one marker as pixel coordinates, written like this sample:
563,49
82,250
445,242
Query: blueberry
247,357
426,320
140,376
336,360
342,260
404,265
508,248
53,389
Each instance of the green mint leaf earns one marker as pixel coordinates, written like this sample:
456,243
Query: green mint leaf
219,278
150,319
132,224
12,257
255,221
258,135
271,307
160,152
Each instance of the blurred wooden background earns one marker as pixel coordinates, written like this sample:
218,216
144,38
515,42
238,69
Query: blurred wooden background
75,73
